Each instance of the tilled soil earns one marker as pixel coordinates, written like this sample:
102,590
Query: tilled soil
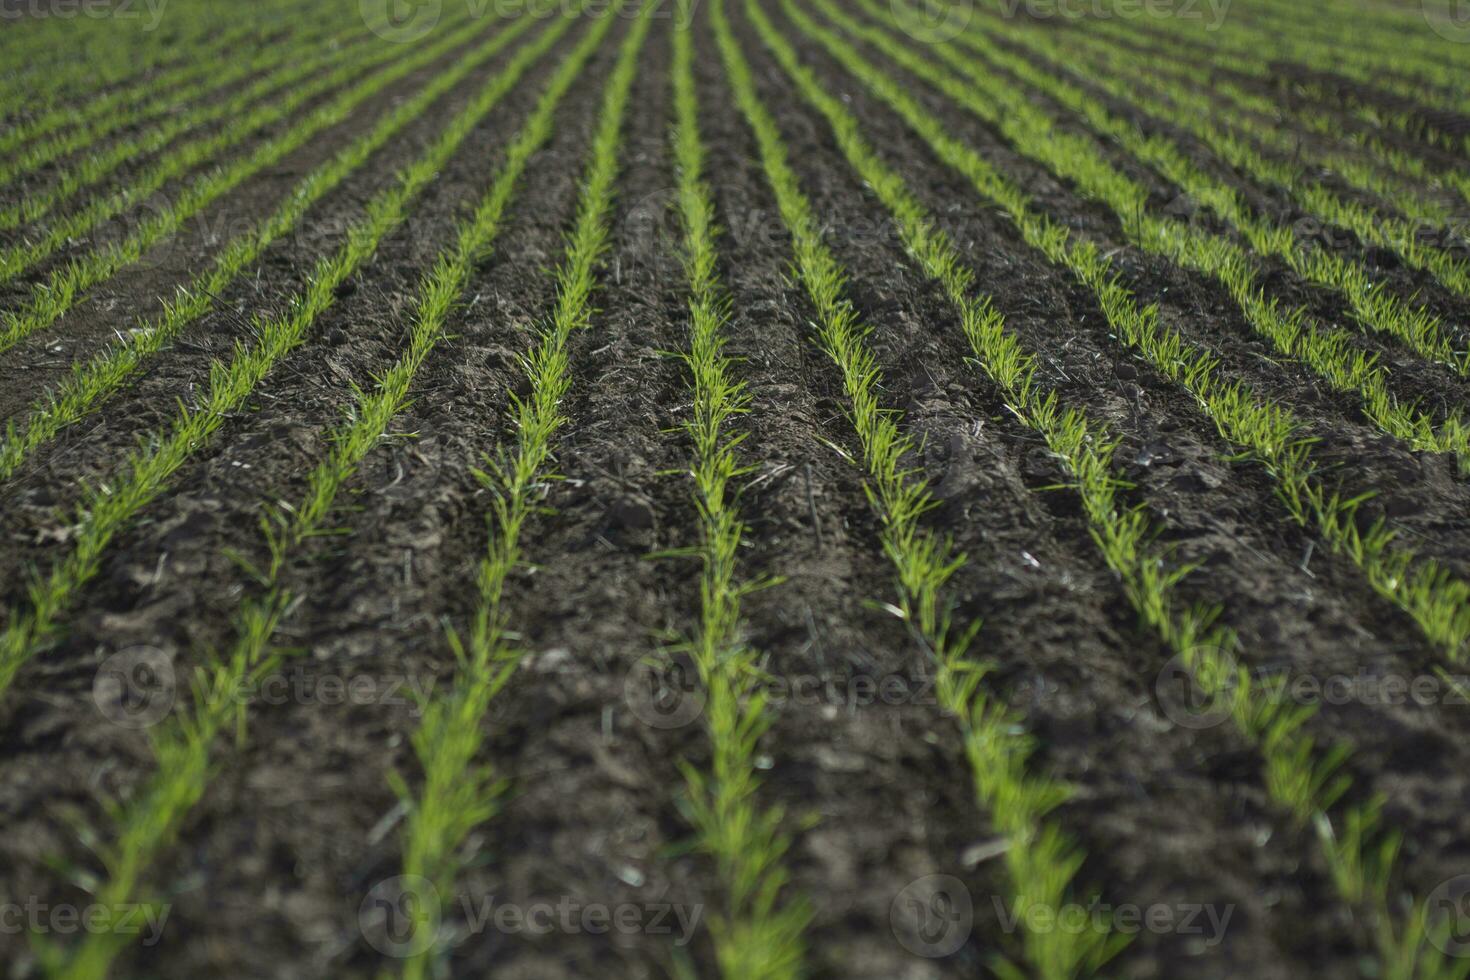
300,823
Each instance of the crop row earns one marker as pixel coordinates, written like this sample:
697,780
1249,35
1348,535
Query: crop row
1370,303
1041,860
105,73
1401,179
62,288
95,379
164,102
459,793
1413,64
760,934
1254,54
447,742
1328,352
146,473
21,257
316,54
1428,592
1305,779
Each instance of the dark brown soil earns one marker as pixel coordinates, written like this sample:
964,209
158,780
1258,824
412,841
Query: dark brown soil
299,822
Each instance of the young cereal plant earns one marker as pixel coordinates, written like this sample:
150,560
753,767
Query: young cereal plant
125,101
95,167
1398,38
178,163
758,937
146,473
457,794
62,288
1397,178
183,747
1257,54
1438,602
1329,354
1370,302
42,153
1041,861
1305,781
104,373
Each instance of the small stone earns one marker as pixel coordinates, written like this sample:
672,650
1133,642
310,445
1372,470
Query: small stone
552,661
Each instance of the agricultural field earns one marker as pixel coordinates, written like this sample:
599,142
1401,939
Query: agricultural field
895,489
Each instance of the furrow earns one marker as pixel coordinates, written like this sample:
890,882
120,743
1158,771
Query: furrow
1386,43
1371,303
1302,777
1172,97
183,749
459,794
1258,57
149,98
145,475
759,937
63,287
1041,860
74,225
93,380
1437,601
1328,353
314,56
